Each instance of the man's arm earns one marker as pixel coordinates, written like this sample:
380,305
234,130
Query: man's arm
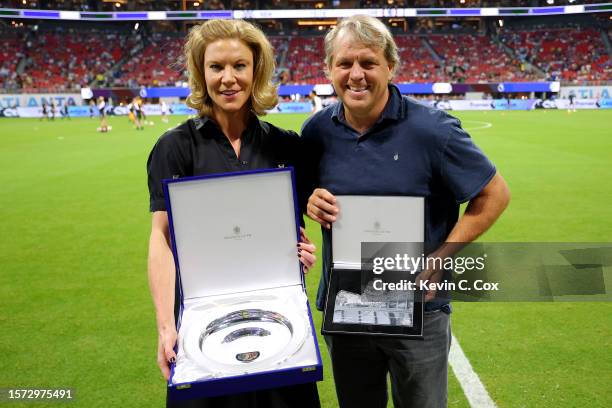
481,213
161,282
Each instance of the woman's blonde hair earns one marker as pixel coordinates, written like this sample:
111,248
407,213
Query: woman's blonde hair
263,95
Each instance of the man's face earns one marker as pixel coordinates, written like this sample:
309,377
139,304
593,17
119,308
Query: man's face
359,75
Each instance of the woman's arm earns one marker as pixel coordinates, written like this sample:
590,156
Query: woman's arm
161,281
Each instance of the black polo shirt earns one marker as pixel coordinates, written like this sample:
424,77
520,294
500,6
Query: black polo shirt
412,150
198,147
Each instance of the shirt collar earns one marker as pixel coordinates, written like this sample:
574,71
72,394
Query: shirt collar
393,109
254,124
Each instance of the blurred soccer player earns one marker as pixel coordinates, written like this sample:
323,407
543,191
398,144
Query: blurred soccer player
143,115
45,111
164,111
572,102
102,113
64,110
317,103
52,110
137,114
92,106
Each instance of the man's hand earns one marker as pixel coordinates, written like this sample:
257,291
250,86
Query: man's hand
322,207
306,251
481,212
431,276
165,350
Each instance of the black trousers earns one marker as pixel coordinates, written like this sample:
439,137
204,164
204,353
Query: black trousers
418,369
295,396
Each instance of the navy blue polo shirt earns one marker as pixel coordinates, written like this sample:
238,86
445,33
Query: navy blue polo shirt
412,150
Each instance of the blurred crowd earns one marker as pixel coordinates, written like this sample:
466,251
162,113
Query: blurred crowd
59,58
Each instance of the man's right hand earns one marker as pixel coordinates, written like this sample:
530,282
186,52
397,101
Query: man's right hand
322,207
165,351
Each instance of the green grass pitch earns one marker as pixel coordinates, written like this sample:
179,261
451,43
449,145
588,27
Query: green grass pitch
76,309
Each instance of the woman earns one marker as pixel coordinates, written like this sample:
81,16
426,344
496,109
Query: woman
230,64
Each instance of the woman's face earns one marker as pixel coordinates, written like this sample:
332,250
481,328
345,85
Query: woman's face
228,72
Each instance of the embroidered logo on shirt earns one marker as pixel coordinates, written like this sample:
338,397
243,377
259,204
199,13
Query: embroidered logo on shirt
396,156
281,166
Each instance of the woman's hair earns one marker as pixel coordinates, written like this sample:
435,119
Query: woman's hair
365,30
263,95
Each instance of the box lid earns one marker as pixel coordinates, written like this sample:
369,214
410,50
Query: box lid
374,219
234,232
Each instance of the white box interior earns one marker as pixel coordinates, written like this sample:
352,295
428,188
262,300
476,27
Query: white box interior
374,219
235,234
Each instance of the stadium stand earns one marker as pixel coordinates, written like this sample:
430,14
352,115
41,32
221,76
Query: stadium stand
12,52
59,60
281,46
417,62
305,60
569,54
158,64
54,57
475,58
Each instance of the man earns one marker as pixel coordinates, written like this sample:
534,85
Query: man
45,111
572,102
376,142
52,110
317,103
164,111
64,110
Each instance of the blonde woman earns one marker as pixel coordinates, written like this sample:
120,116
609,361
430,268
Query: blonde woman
230,64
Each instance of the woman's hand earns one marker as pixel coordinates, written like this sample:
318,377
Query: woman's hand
165,350
306,251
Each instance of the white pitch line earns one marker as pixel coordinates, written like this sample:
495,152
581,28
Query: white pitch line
483,125
474,390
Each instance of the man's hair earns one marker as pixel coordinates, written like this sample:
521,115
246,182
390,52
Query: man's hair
263,94
365,30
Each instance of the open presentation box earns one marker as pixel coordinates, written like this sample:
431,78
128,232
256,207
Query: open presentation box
244,322
359,300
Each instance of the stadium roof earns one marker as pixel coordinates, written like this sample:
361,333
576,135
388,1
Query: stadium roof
303,13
